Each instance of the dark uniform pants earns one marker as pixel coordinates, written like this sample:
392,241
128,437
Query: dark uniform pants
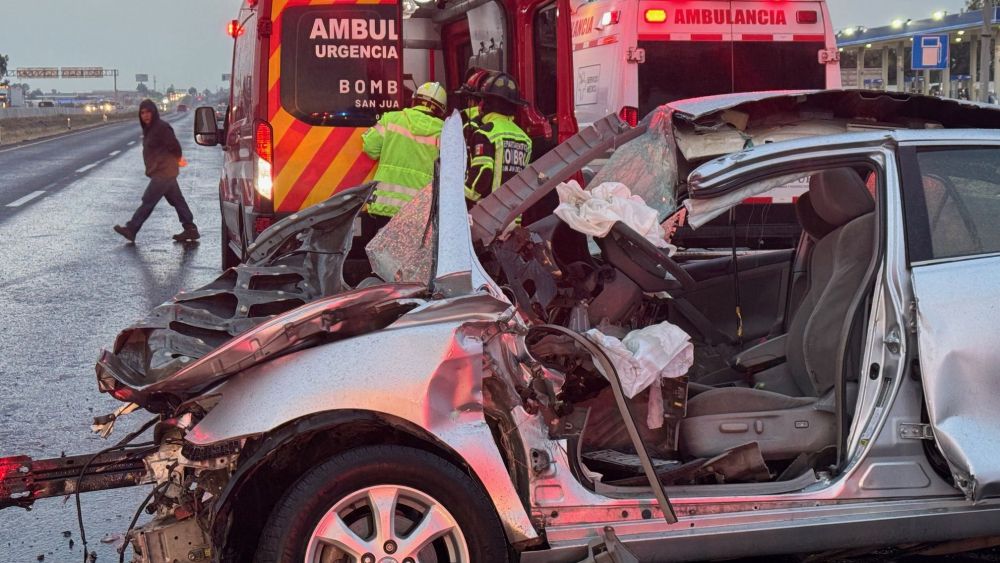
161,188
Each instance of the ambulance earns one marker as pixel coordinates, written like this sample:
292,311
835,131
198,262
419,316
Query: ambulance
309,77
631,56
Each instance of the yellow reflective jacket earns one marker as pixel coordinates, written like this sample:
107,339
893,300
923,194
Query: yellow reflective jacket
405,144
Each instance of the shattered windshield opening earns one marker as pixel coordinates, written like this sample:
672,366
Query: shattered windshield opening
647,165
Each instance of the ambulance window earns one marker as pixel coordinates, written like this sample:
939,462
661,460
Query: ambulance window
341,64
545,59
675,70
766,65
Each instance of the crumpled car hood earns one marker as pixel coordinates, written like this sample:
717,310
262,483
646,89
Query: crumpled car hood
333,318
299,260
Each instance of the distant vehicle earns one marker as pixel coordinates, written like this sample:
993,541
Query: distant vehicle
181,107
46,104
11,97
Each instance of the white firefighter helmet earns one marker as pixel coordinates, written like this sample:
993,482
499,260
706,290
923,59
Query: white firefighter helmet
433,94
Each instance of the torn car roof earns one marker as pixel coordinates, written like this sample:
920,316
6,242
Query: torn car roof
846,103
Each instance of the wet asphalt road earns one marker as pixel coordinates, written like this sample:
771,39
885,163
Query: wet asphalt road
68,284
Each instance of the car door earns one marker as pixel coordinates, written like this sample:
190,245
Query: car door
951,195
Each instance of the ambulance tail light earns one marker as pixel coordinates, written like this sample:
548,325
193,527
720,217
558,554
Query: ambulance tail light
806,16
655,15
264,141
629,115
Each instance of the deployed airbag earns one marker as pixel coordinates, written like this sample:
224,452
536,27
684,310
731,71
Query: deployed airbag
644,357
593,212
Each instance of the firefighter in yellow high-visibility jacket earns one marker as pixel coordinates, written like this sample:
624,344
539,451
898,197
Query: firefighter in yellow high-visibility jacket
498,148
405,144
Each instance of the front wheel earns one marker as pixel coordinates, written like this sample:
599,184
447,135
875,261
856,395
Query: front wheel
383,504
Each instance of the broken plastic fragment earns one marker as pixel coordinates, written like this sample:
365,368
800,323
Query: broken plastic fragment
104,425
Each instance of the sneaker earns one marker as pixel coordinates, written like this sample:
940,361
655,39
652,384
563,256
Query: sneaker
126,232
189,233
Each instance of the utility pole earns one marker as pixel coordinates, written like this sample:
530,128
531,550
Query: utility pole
985,52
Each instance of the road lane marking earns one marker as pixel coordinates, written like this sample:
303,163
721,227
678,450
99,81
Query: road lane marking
113,153
87,167
26,199
130,143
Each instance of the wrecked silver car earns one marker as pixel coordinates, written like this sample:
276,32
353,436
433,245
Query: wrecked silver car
496,389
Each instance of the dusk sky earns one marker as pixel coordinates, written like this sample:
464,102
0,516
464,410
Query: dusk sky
183,42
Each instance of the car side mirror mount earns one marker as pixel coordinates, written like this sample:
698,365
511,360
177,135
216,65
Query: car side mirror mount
206,128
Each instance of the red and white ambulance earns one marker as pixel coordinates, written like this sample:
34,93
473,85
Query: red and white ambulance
631,56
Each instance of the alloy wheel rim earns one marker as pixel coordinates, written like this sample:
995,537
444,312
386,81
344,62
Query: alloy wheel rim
387,524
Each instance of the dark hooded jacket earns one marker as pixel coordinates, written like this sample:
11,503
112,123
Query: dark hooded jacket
160,149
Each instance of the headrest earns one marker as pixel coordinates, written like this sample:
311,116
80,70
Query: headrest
839,195
811,222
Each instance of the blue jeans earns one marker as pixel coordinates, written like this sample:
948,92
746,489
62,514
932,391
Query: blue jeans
161,188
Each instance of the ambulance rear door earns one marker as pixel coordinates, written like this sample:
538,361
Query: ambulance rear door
334,67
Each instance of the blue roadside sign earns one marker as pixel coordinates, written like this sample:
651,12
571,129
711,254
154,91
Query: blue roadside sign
930,52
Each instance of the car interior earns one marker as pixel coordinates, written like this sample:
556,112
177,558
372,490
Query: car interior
760,403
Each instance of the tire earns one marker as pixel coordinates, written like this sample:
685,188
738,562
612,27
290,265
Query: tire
229,258
343,490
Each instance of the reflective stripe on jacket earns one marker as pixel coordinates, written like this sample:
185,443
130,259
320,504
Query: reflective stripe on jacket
406,145
498,151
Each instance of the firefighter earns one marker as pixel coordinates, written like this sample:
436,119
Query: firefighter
498,148
405,144
469,98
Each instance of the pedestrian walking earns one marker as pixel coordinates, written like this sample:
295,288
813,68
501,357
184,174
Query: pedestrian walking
162,156
405,144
